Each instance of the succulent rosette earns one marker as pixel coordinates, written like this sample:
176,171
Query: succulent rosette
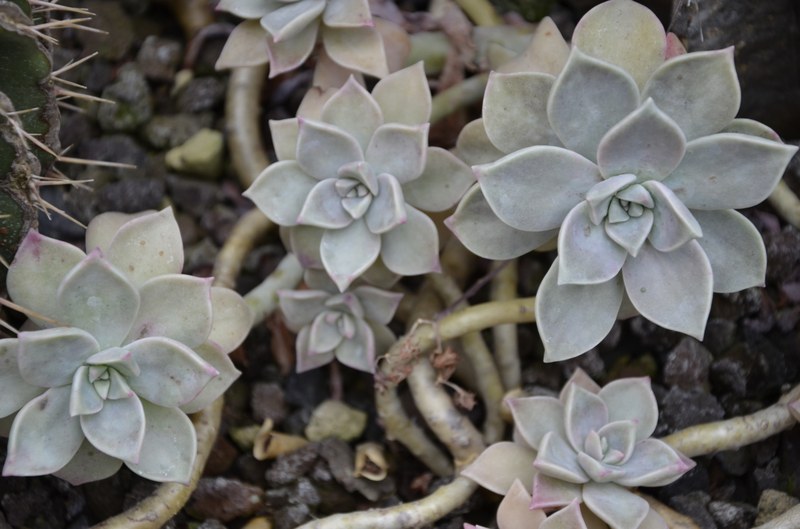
119,348
589,445
283,33
353,185
350,326
633,156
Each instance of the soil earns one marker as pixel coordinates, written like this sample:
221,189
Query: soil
749,356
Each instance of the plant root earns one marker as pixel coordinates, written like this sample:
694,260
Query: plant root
784,200
506,344
263,299
465,93
242,111
248,230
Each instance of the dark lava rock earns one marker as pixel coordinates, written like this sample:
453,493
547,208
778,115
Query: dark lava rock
134,105
682,408
341,461
168,131
735,462
732,515
193,196
695,505
783,255
218,222
291,517
224,499
290,467
768,477
305,492
211,524
159,57
266,401
110,17
201,94
687,365
720,335
653,336
118,148
131,195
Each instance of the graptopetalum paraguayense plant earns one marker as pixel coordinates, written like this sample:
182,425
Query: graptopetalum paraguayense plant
119,348
632,155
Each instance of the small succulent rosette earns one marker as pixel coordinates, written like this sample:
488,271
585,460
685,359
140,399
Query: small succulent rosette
284,33
353,185
632,155
350,326
588,446
119,347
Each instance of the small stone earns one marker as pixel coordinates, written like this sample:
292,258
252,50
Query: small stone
168,131
118,148
259,522
695,505
769,476
734,462
193,196
200,155
108,16
732,515
292,516
267,402
305,492
687,365
131,195
290,467
334,418
720,335
133,105
224,499
201,94
211,524
159,57
199,256
682,408
772,504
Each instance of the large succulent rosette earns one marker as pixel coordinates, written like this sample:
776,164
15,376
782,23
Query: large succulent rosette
632,155
284,33
587,446
119,348
353,185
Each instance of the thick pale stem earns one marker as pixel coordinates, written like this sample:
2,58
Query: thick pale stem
737,432
165,502
248,230
263,299
786,202
481,12
506,343
242,127
414,514
465,93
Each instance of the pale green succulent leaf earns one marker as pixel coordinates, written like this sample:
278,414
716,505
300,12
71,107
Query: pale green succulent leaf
632,233
482,232
444,180
171,373
353,110
570,517
546,53
734,248
227,373
300,307
499,465
16,391
404,96
119,388
118,429
584,412
324,207
474,146
533,189
587,255
623,33
729,170
752,128
621,435
322,149
379,305
305,359
37,271
551,492
246,8
598,471
673,223
615,505
358,352
348,252
535,416
246,46
89,464
671,289
48,358
284,137
574,318
653,521
599,195
119,358
96,297
606,93
360,49
83,399
44,437
324,336
653,463
384,337
280,191
290,53
102,229
579,378
646,143
632,399
411,248
347,14
399,150
557,459
288,19
699,90
305,242
232,320
169,445
515,111
174,306
515,512
388,208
